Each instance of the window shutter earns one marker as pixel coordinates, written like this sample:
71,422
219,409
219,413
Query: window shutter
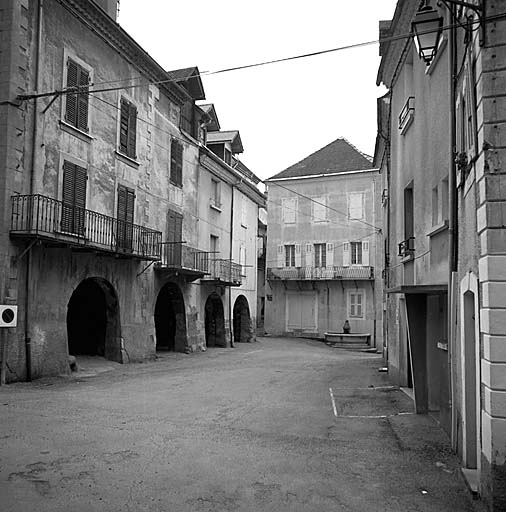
281,255
330,255
71,99
346,254
132,130
125,218
309,255
176,163
74,198
82,100
123,127
365,254
298,256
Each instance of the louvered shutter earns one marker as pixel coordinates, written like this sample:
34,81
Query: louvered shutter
176,163
71,99
309,255
132,131
126,203
298,256
82,100
123,127
346,254
281,255
68,197
330,256
365,254
81,178
73,198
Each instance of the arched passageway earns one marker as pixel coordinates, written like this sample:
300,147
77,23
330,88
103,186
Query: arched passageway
242,320
215,322
170,319
93,326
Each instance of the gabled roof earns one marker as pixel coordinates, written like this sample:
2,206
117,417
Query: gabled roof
189,78
338,156
231,136
214,124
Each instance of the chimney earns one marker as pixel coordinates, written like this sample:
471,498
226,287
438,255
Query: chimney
111,7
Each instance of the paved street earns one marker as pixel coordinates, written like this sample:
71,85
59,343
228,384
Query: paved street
252,428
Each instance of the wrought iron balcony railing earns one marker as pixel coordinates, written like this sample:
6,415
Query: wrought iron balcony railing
181,257
407,247
320,273
225,272
407,113
41,217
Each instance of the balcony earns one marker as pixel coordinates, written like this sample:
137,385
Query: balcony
180,259
333,273
407,114
224,272
407,248
56,223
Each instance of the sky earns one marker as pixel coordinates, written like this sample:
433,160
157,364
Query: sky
284,111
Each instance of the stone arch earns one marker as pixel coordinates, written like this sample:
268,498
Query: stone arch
170,319
215,321
243,331
93,320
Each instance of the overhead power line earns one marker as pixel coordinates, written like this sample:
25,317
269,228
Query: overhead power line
86,89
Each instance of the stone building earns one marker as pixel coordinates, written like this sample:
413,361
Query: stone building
323,232
441,151
104,198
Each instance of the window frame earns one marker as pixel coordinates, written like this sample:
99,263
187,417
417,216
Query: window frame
290,255
127,109
354,254
353,304
292,212
320,255
362,206
176,163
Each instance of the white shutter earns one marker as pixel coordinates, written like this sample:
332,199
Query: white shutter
281,255
309,255
298,256
365,254
346,254
330,255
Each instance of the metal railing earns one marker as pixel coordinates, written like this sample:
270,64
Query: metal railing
178,255
407,247
46,218
320,273
407,112
226,271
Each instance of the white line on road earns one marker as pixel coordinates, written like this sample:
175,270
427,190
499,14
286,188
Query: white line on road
333,402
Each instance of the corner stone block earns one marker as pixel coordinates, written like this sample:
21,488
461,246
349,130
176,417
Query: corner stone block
493,375
493,321
492,241
495,402
494,294
492,268
494,348
493,438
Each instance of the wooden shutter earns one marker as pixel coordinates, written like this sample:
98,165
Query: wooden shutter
309,255
126,204
298,256
71,99
132,130
365,254
82,99
73,198
123,126
330,256
281,255
346,254
176,163
174,237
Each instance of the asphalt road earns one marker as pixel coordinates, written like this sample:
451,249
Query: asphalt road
277,425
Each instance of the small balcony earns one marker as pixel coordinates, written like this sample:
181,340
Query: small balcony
224,272
55,223
332,273
407,248
177,258
407,114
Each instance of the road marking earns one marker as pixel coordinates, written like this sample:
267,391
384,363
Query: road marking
333,402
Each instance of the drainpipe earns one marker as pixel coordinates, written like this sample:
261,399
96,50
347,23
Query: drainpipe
230,321
452,225
28,346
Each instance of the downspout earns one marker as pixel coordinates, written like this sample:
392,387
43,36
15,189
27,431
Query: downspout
28,347
230,321
452,224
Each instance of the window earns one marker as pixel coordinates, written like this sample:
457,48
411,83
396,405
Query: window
173,248
356,304
242,259
176,163
320,255
76,105
127,128
214,246
244,212
435,206
126,202
408,213
356,253
319,207
289,207
215,193
356,206
289,255
73,198
227,156
187,121
444,199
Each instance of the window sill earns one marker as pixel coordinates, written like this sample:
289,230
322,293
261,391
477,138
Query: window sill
178,185
84,136
126,159
408,258
439,228
244,226
215,207
407,123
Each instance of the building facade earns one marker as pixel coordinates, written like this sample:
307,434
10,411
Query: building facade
101,245
323,229
442,157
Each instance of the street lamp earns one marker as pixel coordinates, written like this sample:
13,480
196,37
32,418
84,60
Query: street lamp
427,27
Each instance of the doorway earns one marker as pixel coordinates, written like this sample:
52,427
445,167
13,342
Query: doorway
215,321
170,319
242,321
